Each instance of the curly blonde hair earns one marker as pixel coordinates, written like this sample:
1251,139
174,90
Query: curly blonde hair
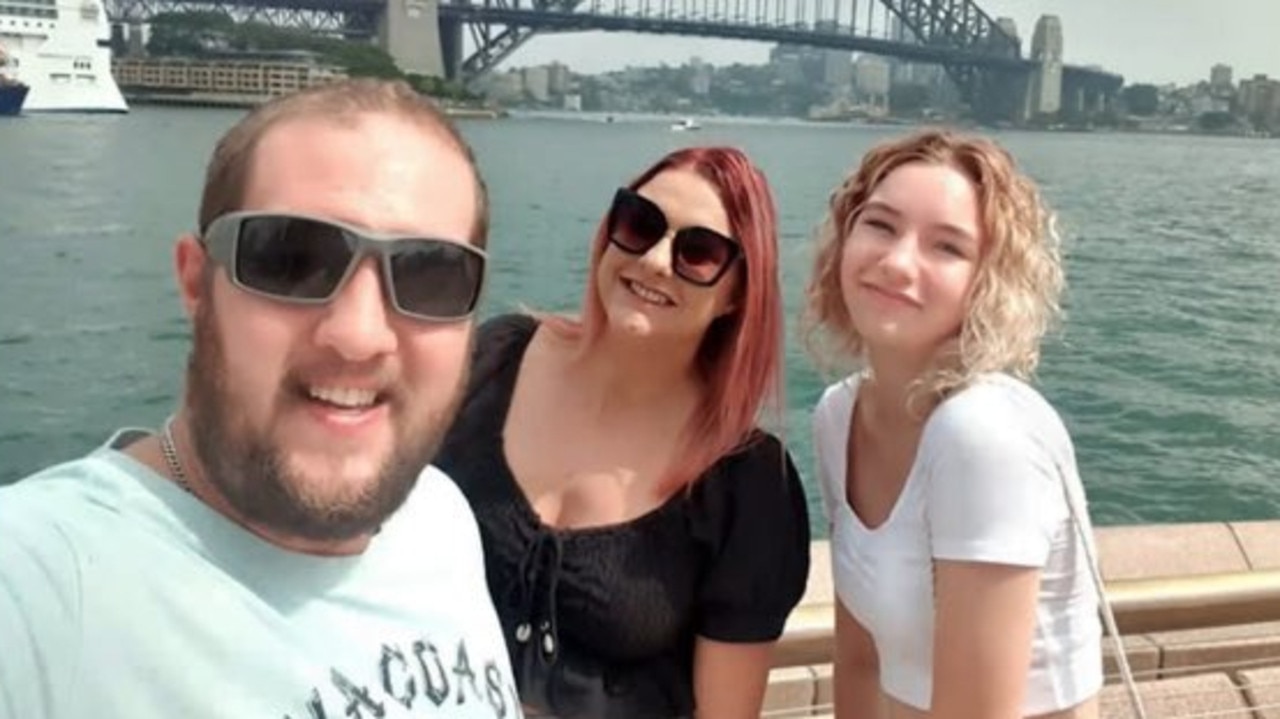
1014,299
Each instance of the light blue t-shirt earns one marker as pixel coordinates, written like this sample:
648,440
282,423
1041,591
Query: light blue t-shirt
123,596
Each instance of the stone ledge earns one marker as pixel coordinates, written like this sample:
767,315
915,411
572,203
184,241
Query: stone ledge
1262,691
1205,695
1181,673
1169,550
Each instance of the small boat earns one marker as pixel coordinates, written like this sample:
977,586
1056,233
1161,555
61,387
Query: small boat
687,124
12,95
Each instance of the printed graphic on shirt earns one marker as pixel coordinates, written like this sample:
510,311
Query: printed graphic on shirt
419,680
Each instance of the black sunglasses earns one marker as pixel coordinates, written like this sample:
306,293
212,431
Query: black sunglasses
307,260
698,255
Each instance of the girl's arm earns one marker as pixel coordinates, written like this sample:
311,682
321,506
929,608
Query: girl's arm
857,670
983,624
729,679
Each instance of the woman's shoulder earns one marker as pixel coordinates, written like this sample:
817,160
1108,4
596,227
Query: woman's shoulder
994,396
837,398
995,405
762,448
761,472
499,339
513,325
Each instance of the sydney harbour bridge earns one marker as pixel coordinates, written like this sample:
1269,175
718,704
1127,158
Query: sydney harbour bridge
980,55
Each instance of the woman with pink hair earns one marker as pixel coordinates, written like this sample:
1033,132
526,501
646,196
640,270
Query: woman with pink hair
645,539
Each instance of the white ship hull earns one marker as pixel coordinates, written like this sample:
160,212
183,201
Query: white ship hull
63,53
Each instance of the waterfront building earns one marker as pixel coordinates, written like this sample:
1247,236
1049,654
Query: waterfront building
537,83
257,75
1260,102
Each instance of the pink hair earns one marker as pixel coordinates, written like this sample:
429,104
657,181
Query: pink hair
740,359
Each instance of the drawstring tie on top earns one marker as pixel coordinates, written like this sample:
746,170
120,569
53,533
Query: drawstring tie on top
541,564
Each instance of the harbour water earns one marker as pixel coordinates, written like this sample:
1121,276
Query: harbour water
1167,371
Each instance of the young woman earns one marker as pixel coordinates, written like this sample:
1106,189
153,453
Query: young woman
963,587
645,540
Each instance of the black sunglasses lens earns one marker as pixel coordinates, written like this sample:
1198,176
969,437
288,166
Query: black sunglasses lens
291,257
636,224
436,279
701,254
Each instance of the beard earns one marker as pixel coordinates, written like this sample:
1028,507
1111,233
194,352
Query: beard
250,470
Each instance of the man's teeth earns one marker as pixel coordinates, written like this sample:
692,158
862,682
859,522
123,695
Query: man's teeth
647,294
344,396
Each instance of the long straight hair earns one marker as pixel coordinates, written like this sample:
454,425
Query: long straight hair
740,357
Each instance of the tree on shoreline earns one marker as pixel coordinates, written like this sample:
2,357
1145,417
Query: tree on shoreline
211,34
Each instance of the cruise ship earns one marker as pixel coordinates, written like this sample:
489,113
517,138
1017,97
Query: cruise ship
61,50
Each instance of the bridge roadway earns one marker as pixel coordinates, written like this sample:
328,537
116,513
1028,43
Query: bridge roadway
796,34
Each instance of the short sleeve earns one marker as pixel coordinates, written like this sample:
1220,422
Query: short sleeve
498,341
995,490
39,618
754,525
830,433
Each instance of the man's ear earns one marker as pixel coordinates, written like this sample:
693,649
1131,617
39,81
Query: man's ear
189,259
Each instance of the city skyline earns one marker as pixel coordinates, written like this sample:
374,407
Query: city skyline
1146,41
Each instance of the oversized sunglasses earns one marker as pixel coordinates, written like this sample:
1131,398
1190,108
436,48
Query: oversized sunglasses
698,254
307,260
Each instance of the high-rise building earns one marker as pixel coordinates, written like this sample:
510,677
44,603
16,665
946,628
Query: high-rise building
788,63
1260,101
503,87
537,83
1220,75
559,79
700,82
1045,97
1220,81
871,78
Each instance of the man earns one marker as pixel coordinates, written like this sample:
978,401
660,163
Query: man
278,550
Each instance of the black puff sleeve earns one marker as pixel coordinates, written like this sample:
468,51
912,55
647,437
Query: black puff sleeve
752,520
499,341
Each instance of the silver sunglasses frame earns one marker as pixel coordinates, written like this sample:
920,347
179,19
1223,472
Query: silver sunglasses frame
221,240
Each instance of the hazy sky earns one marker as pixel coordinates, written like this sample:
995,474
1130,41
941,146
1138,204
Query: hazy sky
1145,40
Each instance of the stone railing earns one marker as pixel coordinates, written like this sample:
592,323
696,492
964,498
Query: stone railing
1198,606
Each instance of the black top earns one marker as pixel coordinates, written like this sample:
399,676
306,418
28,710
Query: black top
601,621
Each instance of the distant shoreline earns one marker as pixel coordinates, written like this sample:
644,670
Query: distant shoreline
711,119
245,102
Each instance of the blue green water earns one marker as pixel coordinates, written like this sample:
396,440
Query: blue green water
1167,371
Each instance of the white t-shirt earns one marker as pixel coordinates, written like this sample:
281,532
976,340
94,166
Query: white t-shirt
987,485
123,596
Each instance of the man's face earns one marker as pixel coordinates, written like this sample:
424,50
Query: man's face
313,421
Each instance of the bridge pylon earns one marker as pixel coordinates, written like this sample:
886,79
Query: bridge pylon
409,30
451,47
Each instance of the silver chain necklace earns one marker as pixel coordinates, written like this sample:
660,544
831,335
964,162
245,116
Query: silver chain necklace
170,451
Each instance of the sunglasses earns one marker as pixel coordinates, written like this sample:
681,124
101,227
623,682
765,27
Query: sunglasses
307,260
698,255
